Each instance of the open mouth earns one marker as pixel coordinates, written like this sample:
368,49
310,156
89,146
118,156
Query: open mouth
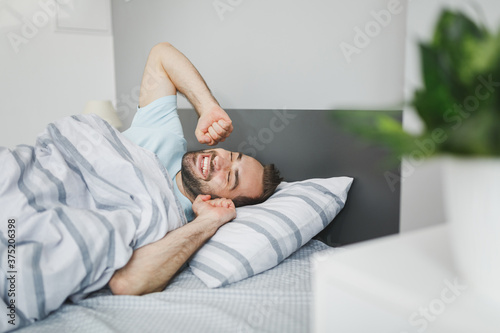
203,163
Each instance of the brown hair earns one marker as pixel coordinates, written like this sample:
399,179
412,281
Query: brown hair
271,179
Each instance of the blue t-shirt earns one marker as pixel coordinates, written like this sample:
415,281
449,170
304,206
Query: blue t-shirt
157,128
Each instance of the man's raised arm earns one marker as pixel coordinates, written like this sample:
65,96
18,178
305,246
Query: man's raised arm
168,71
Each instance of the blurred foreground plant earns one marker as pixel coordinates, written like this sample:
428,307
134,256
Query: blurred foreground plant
459,103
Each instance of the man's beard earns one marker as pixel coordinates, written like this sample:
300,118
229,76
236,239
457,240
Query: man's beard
192,185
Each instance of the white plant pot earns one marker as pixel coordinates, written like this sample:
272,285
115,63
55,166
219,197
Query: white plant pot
471,188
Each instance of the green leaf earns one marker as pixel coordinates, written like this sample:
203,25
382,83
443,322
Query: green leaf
485,57
455,64
456,38
376,126
478,136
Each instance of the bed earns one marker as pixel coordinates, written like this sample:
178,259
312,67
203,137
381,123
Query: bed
260,297
277,300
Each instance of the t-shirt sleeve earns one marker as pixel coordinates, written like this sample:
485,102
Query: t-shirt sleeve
157,128
161,113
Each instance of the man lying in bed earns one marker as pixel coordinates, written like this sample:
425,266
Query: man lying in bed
208,183
85,206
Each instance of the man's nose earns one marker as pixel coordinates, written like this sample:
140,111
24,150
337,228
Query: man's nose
220,163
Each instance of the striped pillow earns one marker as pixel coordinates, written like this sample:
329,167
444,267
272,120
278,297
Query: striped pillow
263,235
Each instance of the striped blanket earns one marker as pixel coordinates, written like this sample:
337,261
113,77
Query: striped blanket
74,207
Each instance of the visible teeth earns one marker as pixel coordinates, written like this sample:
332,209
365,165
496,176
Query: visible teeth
205,165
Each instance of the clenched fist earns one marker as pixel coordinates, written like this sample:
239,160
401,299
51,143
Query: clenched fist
214,126
219,210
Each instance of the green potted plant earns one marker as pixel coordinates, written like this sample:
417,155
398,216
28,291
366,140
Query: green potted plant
459,104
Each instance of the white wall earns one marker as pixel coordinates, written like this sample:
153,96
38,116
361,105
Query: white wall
52,74
254,54
264,54
421,191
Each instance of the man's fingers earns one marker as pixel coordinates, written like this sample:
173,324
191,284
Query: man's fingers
222,202
230,203
221,131
213,134
199,202
209,140
227,125
218,133
216,202
203,197
226,203
203,137
213,127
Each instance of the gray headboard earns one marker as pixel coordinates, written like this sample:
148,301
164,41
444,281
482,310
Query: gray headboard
308,144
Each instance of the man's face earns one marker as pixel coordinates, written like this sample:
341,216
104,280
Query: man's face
221,173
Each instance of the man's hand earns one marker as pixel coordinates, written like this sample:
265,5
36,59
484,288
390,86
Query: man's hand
153,265
214,126
219,211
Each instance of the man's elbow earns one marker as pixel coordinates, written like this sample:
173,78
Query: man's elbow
120,286
160,47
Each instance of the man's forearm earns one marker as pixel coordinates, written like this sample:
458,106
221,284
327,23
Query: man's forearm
169,71
152,266
185,77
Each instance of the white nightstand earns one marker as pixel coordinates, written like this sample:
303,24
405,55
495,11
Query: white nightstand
397,284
